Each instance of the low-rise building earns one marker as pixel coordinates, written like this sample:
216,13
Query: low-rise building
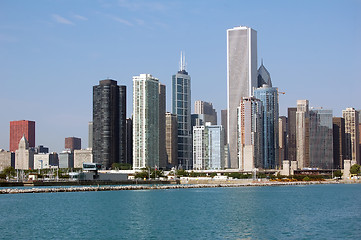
7,159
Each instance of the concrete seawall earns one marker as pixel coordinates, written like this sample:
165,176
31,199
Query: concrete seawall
151,187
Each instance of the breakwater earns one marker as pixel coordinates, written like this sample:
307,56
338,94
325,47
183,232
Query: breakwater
149,187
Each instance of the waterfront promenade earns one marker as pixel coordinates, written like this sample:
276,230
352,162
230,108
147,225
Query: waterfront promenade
155,187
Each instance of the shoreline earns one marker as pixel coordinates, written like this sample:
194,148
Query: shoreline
157,187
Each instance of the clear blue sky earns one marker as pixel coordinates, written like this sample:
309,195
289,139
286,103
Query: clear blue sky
53,51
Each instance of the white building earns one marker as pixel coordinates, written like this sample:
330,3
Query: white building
208,147
82,156
24,157
7,159
241,78
145,121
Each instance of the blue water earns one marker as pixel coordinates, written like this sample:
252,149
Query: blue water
279,212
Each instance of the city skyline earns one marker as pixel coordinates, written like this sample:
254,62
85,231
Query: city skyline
51,60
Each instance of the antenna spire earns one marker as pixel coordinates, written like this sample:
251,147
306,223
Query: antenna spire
182,62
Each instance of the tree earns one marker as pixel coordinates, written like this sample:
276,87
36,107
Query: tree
355,169
9,171
337,173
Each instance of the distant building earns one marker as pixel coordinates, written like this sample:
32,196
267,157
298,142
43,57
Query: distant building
82,156
224,123
208,147
291,131
171,139
24,156
320,139
45,160
21,128
269,98
263,76
206,108
90,134
351,117
109,114
339,147
129,140
302,134
197,120
7,159
162,145
282,138
241,78
41,149
181,106
145,121
66,159
250,134
72,143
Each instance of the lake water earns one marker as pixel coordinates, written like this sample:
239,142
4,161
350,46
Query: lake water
279,212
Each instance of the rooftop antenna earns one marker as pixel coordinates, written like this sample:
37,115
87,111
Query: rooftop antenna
182,62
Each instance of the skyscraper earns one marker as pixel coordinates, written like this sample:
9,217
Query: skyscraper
171,139
224,124
181,106
250,134
20,128
72,143
145,121
282,138
241,78
351,117
263,76
302,134
291,129
321,139
24,155
109,113
269,98
162,109
338,142
206,108
129,141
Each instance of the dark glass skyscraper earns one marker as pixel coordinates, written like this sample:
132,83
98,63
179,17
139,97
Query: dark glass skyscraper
181,105
109,123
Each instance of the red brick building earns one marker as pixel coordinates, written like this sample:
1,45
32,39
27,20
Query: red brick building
18,129
72,143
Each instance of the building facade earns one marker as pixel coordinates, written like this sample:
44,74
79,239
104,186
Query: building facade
162,109
181,106
302,134
145,121
250,134
291,135
129,140
72,143
241,78
109,114
66,159
269,98
338,142
351,117
21,128
82,156
46,160
206,108
7,159
171,139
24,155
90,135
321,139
282,140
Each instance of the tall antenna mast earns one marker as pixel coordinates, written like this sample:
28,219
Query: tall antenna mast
182,64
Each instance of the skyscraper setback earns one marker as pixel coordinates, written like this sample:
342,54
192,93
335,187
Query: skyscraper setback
21,128
109,114
181,106
241,78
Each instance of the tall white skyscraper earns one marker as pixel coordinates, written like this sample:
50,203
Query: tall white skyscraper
241,78
145,121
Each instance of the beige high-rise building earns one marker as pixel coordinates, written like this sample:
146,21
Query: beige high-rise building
302,134
24,157
82,156
171,138
351,117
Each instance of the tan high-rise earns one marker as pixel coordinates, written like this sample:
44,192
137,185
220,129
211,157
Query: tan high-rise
351,117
